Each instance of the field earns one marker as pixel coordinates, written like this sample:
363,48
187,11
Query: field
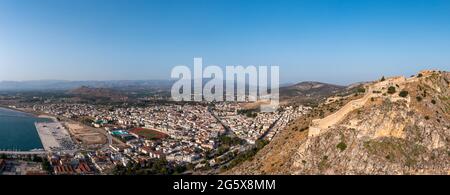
85,135
148,134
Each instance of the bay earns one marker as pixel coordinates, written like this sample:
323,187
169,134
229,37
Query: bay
17,131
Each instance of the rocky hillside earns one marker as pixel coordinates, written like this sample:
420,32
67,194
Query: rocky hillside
308,92
398,126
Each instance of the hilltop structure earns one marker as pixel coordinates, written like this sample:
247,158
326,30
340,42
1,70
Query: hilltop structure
398,126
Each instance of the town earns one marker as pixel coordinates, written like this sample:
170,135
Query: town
155,138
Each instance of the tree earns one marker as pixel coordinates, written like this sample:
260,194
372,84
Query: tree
341,146
419,99
46,165
391,90
382,79
361,90
403,93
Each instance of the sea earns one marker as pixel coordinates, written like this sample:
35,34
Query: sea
17,131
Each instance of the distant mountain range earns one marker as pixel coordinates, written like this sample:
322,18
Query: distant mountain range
308,92
303,92
98,93
114,84
68,85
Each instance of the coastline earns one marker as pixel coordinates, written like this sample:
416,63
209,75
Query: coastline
23,146
30,112
64,124
36,115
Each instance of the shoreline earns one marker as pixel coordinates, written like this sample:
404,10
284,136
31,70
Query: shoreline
31,112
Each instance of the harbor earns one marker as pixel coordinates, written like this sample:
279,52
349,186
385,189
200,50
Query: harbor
18,132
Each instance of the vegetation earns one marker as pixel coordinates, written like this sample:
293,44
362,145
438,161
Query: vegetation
151,167
391,90
361,90
418,98
341,146
87,121
252,115
225,143
395,150
433,101
230,141
222,150
382,79
247,155
47,166
249,113
403,93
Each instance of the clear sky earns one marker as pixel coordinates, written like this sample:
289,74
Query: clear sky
337,41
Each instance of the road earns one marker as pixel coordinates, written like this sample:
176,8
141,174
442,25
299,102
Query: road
274,124
228,131
23,152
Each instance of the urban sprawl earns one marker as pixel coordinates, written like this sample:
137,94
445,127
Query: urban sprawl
86,138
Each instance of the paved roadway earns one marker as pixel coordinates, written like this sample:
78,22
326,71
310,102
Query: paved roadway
23,152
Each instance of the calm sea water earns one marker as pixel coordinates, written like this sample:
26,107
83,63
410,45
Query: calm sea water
17,130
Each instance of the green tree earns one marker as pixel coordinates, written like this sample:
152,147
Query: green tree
341,146
418,98
403,93
391,90
361,90
47,166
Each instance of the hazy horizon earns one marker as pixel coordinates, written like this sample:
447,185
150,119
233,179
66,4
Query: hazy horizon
338,42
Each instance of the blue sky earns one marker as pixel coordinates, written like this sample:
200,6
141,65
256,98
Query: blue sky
336,41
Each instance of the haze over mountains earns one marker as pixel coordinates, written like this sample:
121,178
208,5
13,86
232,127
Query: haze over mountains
68,85
291,89
307,92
